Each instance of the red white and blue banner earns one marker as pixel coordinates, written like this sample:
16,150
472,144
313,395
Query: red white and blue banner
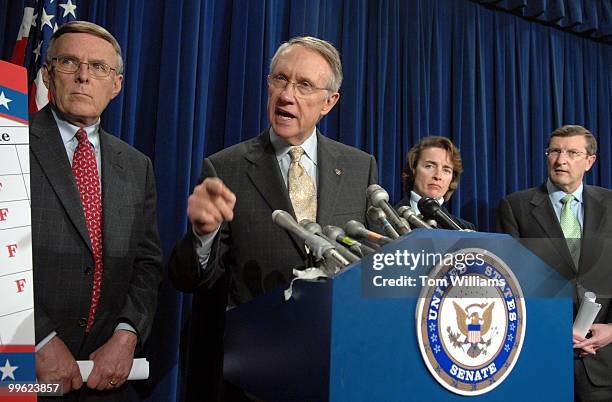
17,308
18,374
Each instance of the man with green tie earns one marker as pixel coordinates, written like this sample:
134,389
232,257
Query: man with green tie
576,222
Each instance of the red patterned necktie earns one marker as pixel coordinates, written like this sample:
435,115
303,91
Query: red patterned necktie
85,170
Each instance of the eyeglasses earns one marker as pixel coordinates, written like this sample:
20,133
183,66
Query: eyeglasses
571,153
303,88
70,65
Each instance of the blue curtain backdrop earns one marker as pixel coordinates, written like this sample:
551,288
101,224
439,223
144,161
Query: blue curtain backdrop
494,79
589,18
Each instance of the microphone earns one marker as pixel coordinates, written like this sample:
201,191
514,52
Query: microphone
315,228
319,247
377,215
380,198
338,234
431,209
356,229
412,217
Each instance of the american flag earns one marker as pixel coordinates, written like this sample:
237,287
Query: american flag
40,19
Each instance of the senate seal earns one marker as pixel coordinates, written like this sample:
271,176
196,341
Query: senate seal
470,321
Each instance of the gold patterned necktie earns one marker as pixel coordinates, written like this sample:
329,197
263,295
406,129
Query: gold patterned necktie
571,228
302,191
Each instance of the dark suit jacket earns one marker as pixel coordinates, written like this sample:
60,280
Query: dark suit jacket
251,255
530,215
258,254
461,222
63,261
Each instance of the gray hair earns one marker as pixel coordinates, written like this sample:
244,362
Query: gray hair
89,28
322,47
570,130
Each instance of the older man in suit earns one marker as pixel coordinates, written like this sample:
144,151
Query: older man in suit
576,222
233,249
96,252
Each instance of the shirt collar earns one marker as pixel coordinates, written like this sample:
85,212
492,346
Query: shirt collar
414,197
68,130
282,147
557,194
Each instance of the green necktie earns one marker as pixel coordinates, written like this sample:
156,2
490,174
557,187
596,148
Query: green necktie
571,227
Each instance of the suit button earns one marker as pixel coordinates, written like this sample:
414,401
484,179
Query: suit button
88,270
82,322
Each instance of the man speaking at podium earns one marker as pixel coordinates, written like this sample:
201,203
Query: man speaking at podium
233,249
576,221
96,253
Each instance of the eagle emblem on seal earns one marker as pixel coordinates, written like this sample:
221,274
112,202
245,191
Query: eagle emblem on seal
473,322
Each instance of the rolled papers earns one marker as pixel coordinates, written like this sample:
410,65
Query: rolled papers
140,369
586,313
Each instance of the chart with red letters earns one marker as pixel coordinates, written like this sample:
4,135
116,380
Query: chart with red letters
16,287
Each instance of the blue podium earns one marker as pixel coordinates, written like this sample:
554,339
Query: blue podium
342,340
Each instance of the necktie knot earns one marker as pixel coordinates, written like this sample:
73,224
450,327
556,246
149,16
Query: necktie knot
296,154
567,198
81,135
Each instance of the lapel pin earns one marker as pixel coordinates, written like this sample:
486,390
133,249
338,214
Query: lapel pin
338,172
